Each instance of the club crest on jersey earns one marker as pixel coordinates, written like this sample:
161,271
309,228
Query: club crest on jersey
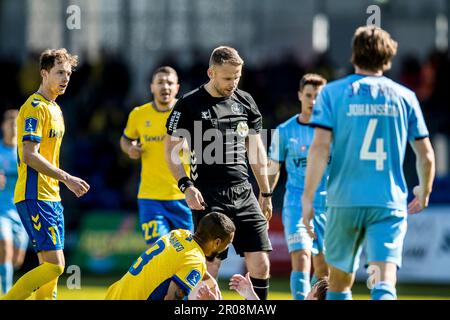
30,125
236,108
206,115
193,277
242,129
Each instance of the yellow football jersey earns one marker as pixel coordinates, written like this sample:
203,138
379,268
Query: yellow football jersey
174,257
148,125
40,121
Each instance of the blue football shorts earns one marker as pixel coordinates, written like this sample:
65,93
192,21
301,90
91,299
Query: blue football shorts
159,217
382,231
297,238
44,223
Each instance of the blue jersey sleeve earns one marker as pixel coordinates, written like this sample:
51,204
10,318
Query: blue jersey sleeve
322,116
277,149
417,129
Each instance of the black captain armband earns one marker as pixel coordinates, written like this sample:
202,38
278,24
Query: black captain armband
185,183
266,194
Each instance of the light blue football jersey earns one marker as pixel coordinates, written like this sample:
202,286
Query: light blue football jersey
290,144
372,118
8,166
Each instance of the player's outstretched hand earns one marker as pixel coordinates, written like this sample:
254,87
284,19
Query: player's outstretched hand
307,217
194,198
205,293
135,151
420,200
243,286
77,186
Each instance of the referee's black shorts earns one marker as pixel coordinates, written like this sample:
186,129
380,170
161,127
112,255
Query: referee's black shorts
239,203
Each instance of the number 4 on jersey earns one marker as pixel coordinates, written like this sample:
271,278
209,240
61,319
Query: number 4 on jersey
379,155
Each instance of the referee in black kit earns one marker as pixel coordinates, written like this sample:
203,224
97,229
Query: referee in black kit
221,125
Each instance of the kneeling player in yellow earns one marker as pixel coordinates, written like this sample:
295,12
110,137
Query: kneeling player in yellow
175,263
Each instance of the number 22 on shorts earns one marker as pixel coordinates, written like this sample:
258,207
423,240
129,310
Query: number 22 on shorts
150,229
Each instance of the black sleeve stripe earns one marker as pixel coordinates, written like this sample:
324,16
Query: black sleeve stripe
421,137
128,138
315,125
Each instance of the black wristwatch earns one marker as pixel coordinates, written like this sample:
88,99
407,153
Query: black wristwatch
266,194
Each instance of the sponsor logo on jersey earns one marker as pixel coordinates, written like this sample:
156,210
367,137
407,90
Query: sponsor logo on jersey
53,133
173,123
154,138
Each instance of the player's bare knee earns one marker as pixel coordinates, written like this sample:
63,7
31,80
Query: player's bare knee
258,264
54,257
340,281
301,260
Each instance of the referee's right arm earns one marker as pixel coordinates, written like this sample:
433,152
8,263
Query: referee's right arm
172,148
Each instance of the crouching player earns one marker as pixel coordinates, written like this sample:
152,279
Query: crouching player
176,263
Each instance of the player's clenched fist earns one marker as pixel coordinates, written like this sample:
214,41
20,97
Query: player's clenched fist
194,198
77,185
135,152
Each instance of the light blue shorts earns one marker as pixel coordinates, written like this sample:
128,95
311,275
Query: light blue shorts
297,238
159,217
382,231
11,229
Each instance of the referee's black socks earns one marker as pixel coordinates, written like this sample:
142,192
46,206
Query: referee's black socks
261,287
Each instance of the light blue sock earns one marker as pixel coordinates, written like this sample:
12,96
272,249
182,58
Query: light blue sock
383,291
300,285
346,295
6,277
314,280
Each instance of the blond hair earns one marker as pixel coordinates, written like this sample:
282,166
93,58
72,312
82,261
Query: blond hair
224,54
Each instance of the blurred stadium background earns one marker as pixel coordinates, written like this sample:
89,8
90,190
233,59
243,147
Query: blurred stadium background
121,42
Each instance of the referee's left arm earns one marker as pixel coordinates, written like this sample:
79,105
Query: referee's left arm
257,158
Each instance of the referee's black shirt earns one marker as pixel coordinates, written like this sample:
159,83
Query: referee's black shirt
216,129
